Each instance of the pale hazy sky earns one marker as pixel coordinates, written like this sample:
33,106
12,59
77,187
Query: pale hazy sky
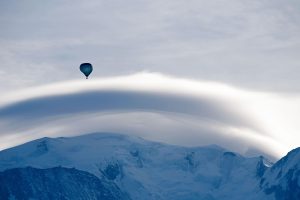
251,47
252,44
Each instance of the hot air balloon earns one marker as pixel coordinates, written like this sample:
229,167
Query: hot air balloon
86,69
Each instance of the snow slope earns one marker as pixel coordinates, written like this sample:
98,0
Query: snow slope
151,170
55,183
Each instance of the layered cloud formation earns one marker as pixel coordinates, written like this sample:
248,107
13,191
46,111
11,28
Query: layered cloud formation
156,107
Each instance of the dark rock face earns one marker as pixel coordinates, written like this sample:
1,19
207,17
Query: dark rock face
55,183
190,159
112,171
288,189
260,168
286,173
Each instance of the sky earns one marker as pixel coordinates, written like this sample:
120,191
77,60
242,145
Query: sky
251,48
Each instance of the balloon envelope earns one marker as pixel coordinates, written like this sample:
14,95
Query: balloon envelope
86,69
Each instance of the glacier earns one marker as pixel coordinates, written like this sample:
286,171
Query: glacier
129,167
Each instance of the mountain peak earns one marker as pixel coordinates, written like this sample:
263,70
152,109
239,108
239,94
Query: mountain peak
155,170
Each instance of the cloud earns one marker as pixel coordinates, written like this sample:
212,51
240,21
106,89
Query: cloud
153,106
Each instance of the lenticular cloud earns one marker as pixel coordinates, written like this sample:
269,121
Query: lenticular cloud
152,106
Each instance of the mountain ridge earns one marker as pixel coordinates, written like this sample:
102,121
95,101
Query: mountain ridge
156,170
55,183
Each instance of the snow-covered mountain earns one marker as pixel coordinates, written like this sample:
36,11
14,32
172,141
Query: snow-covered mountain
138,169
283,179
55,183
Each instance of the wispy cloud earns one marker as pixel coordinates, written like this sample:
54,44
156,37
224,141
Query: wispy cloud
153,106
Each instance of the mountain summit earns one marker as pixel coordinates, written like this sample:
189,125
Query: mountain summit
115,166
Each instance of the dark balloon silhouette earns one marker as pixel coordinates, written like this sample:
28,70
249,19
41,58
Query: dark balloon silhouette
86,69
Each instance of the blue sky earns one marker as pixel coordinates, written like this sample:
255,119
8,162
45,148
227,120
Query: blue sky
249,46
